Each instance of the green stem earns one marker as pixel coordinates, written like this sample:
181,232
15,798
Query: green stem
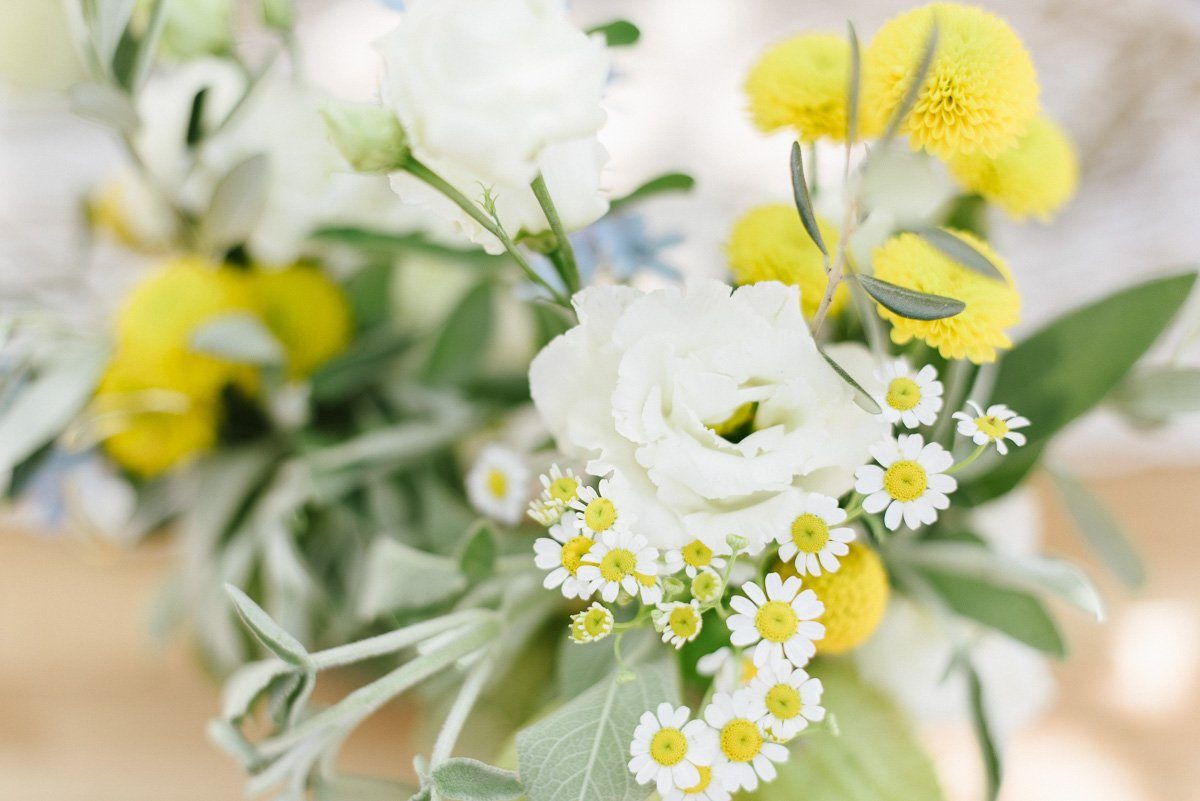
966,462
565,262
958,384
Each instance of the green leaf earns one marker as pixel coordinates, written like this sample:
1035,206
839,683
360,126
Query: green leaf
108,20
667,182
1068,367
238,337
618,33
861,397
359,366
369,293
1099,530
583,665
983,730
875,757
397,578
908,302
459,348
268,632
237,202
960,250
918,82
461,779
803,202
248,683
580,751
1017,614
478,557
195,125
1159,393
852,91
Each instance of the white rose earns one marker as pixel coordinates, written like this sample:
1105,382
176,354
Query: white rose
639,384
488,85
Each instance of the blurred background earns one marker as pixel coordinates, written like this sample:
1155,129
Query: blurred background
1123,78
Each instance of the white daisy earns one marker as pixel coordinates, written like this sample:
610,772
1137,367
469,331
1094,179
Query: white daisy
669,750
592,624
744,753
707,789
561,553
498,484
812,536
994,425
678,622
595,510
730,669
559,488
622,560
787,699
694,557
782,621
911,399
911,484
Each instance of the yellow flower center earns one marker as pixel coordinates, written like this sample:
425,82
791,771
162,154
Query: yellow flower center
684,622
617,564
646,579
776,621
903,394
573,552
810,533
705,780
905,481
740,740
994,427
600,514
749,670
783,701
595,621
705,586
668,747
497,483
697,554
564,489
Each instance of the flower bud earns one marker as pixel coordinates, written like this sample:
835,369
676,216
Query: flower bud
369,137
737,542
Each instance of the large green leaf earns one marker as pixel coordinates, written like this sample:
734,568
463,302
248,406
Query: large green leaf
1018,614
459,348
1066,368
874,757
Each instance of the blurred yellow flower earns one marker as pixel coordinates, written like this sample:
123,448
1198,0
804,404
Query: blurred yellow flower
855,598
982,88
992,306
306,311
802,83
769,243
1036,177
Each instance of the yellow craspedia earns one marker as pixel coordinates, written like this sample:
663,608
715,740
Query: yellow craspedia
1034,178
982,88
802,84
306,311
769,243
855,598
992,306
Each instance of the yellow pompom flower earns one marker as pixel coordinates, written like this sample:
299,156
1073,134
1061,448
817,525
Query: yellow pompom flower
306,311
769,243
855,598
802,83
1036,177
992,305
982,88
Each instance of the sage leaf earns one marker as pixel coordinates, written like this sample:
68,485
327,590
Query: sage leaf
239,337
667,182
1018,614
861,397
268,632
983,730
803,202
248,683
909,303
582,666
105,104
478,557
918,83
1157,394
1103,534
618,33
237,202
461,779
960,251
398,577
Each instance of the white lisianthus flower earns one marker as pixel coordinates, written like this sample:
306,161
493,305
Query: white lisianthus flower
705,407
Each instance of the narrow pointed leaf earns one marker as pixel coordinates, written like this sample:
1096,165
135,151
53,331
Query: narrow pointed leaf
238,202
983,730
269,633
961,251
1099,530
667,182
1157,394
914,89
861,396
803,201
852,91
908,302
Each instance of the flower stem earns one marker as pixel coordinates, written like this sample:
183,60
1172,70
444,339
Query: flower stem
966,462
565,262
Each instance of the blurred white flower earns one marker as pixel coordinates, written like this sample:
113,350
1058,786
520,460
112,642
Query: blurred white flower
498,484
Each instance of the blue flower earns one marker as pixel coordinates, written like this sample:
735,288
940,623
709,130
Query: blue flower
620,247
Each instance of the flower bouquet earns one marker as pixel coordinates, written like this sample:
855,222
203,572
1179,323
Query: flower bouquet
747,533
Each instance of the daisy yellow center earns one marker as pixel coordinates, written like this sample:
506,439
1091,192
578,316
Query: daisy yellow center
705,586
646,579
749,670
573,552
668,747
994,427
617,564
564,489
810,533
741,740
705,780
903,394
905,481
684,622
600,514
497,483
697,554
776,621
783,701
596,622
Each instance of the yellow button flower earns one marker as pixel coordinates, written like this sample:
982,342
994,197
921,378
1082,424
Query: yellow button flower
855,598
306,311
992,306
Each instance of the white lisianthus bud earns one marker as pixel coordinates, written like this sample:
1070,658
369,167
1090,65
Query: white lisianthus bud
370,138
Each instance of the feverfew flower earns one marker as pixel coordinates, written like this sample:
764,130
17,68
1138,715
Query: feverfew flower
562,553
781,621
745,755
994,425
696,556
787,698
669,750
704,790
678,622
592,624
497,484
911,399
558,489
595,511
813,537
622,560
911,484
730,669
707,586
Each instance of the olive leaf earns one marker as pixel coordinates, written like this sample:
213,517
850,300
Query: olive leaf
960,250
861,397
914,89
983,729
910,303
852,91
1102,533
803,201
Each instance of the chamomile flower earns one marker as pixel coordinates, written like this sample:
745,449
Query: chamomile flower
678,622
559,488
669,750
707,586
592,624
498,484
994,425
562,554
813,537
782,621
622,560
909,481
787,700
744,753
707,789
694,557
909,398
596,512
729,669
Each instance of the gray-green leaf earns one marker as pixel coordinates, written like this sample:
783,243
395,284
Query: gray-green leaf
105,104
803,202
960,250
1157,394
1013,612
852,91
268,632
1100,530
988,748
398,577
239,337
460,346
908,302
238,202
861,396
461,779
478,557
